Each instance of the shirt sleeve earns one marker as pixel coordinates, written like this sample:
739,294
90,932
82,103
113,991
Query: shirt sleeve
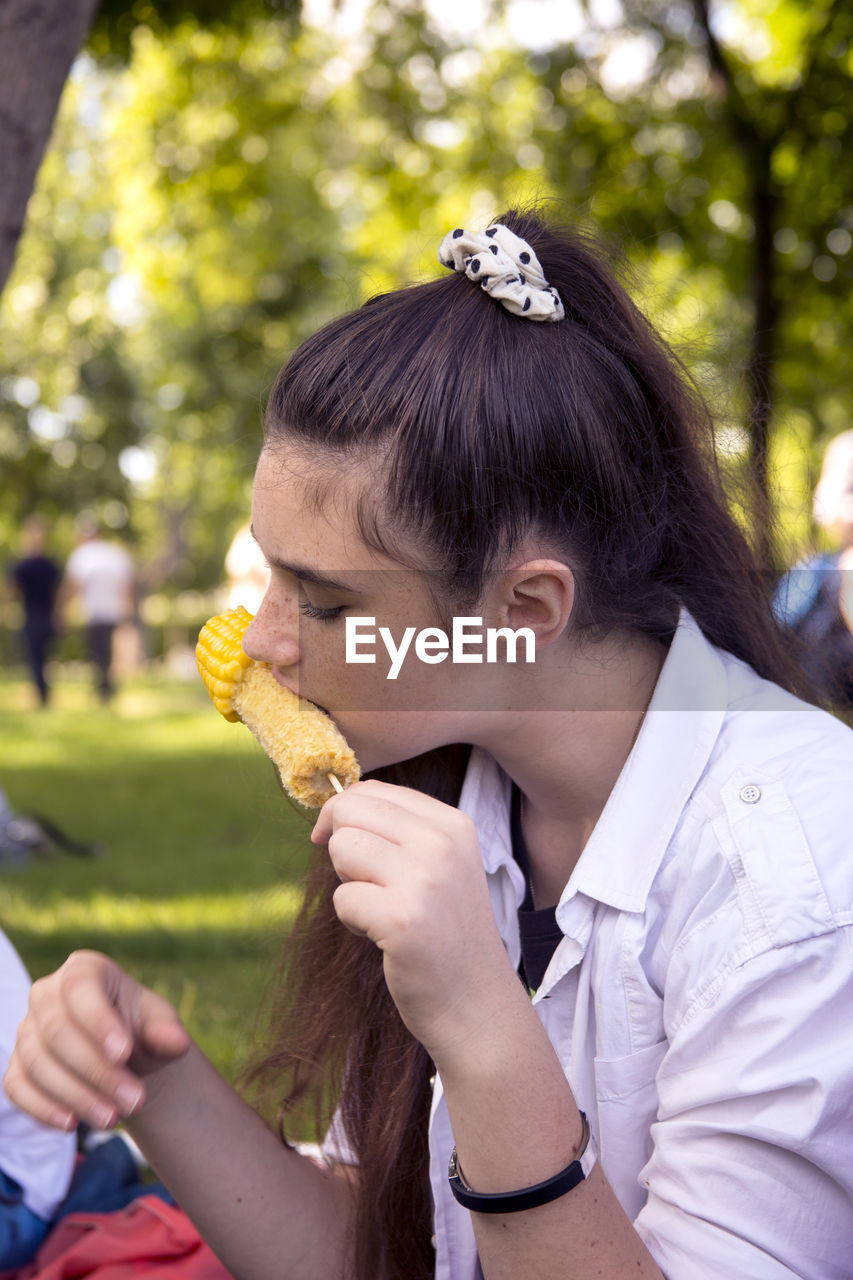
751,1172
335,1147
39,1159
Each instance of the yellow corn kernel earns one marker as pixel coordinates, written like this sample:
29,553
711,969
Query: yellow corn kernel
307,748
221,660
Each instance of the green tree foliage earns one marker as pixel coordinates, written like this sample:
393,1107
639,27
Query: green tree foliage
731,155
112,33
154,325
65,389
234,185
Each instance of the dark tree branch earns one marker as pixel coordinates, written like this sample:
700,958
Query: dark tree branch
38,42
757,147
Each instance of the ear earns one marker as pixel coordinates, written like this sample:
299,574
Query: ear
538,594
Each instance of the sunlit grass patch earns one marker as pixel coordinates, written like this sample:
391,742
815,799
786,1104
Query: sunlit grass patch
203,855
191,913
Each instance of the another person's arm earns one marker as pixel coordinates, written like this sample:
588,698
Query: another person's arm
96,1046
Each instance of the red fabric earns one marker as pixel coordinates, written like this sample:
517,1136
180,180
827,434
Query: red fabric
149,1238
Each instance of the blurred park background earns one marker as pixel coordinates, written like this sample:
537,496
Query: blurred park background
222,177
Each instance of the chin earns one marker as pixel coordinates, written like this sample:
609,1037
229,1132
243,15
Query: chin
369,761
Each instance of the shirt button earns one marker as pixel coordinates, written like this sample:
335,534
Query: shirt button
750,794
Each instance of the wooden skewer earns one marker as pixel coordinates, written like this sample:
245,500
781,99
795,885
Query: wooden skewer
335,782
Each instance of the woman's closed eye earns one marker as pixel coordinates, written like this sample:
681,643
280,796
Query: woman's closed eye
315,611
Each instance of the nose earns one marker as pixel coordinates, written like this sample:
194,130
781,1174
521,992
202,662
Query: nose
273,634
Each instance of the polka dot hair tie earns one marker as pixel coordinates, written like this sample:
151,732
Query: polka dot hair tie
505,267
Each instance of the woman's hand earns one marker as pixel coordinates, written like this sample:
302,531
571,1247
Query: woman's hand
90,1037
412,880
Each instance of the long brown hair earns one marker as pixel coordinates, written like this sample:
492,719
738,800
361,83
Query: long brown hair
585,432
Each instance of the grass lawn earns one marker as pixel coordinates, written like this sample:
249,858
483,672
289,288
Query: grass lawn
200,876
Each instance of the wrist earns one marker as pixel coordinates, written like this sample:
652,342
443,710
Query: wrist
514,1118
530,1197
485,1026
168,1083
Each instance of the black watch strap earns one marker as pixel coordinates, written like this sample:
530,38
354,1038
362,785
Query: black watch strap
528,1198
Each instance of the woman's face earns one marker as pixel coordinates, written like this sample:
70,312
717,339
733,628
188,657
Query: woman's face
321,573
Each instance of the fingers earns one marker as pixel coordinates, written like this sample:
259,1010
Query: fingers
84,992
54,1075
396,813
89,1032
359,855
361,907
161,1031
115,1012
377,833
37,1104
378,847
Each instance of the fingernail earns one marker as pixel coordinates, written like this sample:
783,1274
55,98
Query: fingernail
128,1097
115,1045
102,1116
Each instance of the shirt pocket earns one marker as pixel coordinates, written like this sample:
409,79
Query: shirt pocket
627,1095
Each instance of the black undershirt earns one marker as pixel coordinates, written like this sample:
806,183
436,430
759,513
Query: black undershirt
539,930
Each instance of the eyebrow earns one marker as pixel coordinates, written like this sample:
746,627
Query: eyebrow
304,574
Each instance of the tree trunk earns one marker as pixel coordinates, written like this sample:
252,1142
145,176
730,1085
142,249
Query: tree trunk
762,356
38,42
757,148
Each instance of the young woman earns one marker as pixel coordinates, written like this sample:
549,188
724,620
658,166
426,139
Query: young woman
643,823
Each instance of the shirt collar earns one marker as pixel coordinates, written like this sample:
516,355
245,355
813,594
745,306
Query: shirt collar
627,845
681,726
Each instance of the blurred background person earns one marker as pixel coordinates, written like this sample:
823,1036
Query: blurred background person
815,599
101,577
247,570
35,577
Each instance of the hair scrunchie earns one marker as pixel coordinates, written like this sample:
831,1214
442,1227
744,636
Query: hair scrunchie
506,267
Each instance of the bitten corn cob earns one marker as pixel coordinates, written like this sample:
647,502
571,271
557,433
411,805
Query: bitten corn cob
302,741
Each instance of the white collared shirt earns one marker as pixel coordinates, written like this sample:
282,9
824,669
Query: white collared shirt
701,1000
39,1159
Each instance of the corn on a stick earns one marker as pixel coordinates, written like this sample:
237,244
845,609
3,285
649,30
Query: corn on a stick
307,748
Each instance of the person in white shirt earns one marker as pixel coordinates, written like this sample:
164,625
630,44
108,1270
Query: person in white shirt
248,572
573,975
36,1162
101,575
815,598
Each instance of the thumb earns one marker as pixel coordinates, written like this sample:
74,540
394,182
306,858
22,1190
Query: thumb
159,1030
